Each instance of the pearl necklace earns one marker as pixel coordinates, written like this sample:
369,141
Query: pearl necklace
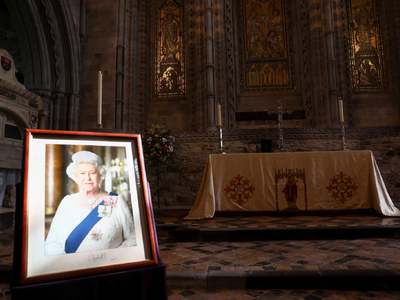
91,201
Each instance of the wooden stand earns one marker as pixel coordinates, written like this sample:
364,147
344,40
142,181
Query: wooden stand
146,284
158,192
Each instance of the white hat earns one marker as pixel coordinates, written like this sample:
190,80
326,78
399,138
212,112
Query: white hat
86,157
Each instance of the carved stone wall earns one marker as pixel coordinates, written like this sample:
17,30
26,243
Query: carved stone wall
315,130
64,43
99,51
322,70
180,181
49,55
19,110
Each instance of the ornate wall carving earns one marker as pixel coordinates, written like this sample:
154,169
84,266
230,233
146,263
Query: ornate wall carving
266,46
306,64
196,60
367,56
140,65
318,67
170,47
343,49
50,54
56,43
231,66
133,110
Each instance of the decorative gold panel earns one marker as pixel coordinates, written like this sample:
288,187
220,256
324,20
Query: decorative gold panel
366,59
266,47
170,58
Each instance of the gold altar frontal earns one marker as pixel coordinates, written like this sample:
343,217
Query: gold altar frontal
299,181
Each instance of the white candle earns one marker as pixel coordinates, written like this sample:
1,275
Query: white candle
341,112
219,115
99,97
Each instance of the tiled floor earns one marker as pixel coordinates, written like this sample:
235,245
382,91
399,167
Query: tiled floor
280,294
359,254
344,254
369,254
5,293
174,217
262,294
364,254
6,248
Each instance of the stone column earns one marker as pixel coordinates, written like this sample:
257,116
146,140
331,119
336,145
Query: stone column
58,110
53,178
73,112
82,21
332,66
47,109
43,114
3,119
120,72
210,67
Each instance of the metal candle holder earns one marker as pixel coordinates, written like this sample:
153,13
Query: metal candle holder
280,113
280,129
343,133
221,147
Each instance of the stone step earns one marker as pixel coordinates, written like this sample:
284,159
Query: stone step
263,226
186,233
360,264
359,280
7,216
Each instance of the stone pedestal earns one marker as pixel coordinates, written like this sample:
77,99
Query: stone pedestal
6,218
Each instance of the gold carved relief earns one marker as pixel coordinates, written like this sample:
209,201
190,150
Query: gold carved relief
170,62
266,47
367,49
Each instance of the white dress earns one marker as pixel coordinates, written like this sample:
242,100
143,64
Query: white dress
114,230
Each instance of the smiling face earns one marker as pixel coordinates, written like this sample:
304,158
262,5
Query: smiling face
88,177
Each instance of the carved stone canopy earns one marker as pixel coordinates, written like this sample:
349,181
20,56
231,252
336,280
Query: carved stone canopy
19,109
8,70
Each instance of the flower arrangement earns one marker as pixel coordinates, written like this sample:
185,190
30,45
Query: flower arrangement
157,144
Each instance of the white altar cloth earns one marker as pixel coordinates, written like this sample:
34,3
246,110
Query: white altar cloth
299,181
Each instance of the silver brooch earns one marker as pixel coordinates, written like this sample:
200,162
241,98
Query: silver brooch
104,211
96,236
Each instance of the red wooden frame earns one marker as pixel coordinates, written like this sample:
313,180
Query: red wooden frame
22,235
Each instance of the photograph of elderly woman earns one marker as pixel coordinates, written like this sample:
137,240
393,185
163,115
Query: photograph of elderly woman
88,201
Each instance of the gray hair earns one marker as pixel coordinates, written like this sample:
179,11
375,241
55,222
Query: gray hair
86,157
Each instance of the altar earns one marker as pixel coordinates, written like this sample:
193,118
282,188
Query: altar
290,182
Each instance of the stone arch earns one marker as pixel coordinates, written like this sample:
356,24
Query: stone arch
50,50
17,116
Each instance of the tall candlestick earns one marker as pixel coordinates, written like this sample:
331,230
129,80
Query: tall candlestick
99,97
341,112
219,115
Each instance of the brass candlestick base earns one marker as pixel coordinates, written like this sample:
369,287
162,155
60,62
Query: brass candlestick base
221,147
280,112
343,133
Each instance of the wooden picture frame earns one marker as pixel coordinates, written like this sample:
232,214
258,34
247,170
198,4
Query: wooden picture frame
45,183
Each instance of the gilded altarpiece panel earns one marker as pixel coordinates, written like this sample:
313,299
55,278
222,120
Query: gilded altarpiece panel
366,59
265,46
170,48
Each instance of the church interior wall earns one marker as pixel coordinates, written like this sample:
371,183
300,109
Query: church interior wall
47,39
98,54
101,34
375,110
175,113
180,181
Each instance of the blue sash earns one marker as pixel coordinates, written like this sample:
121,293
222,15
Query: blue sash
79,233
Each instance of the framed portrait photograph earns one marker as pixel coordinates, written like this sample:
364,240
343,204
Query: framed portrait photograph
85,207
